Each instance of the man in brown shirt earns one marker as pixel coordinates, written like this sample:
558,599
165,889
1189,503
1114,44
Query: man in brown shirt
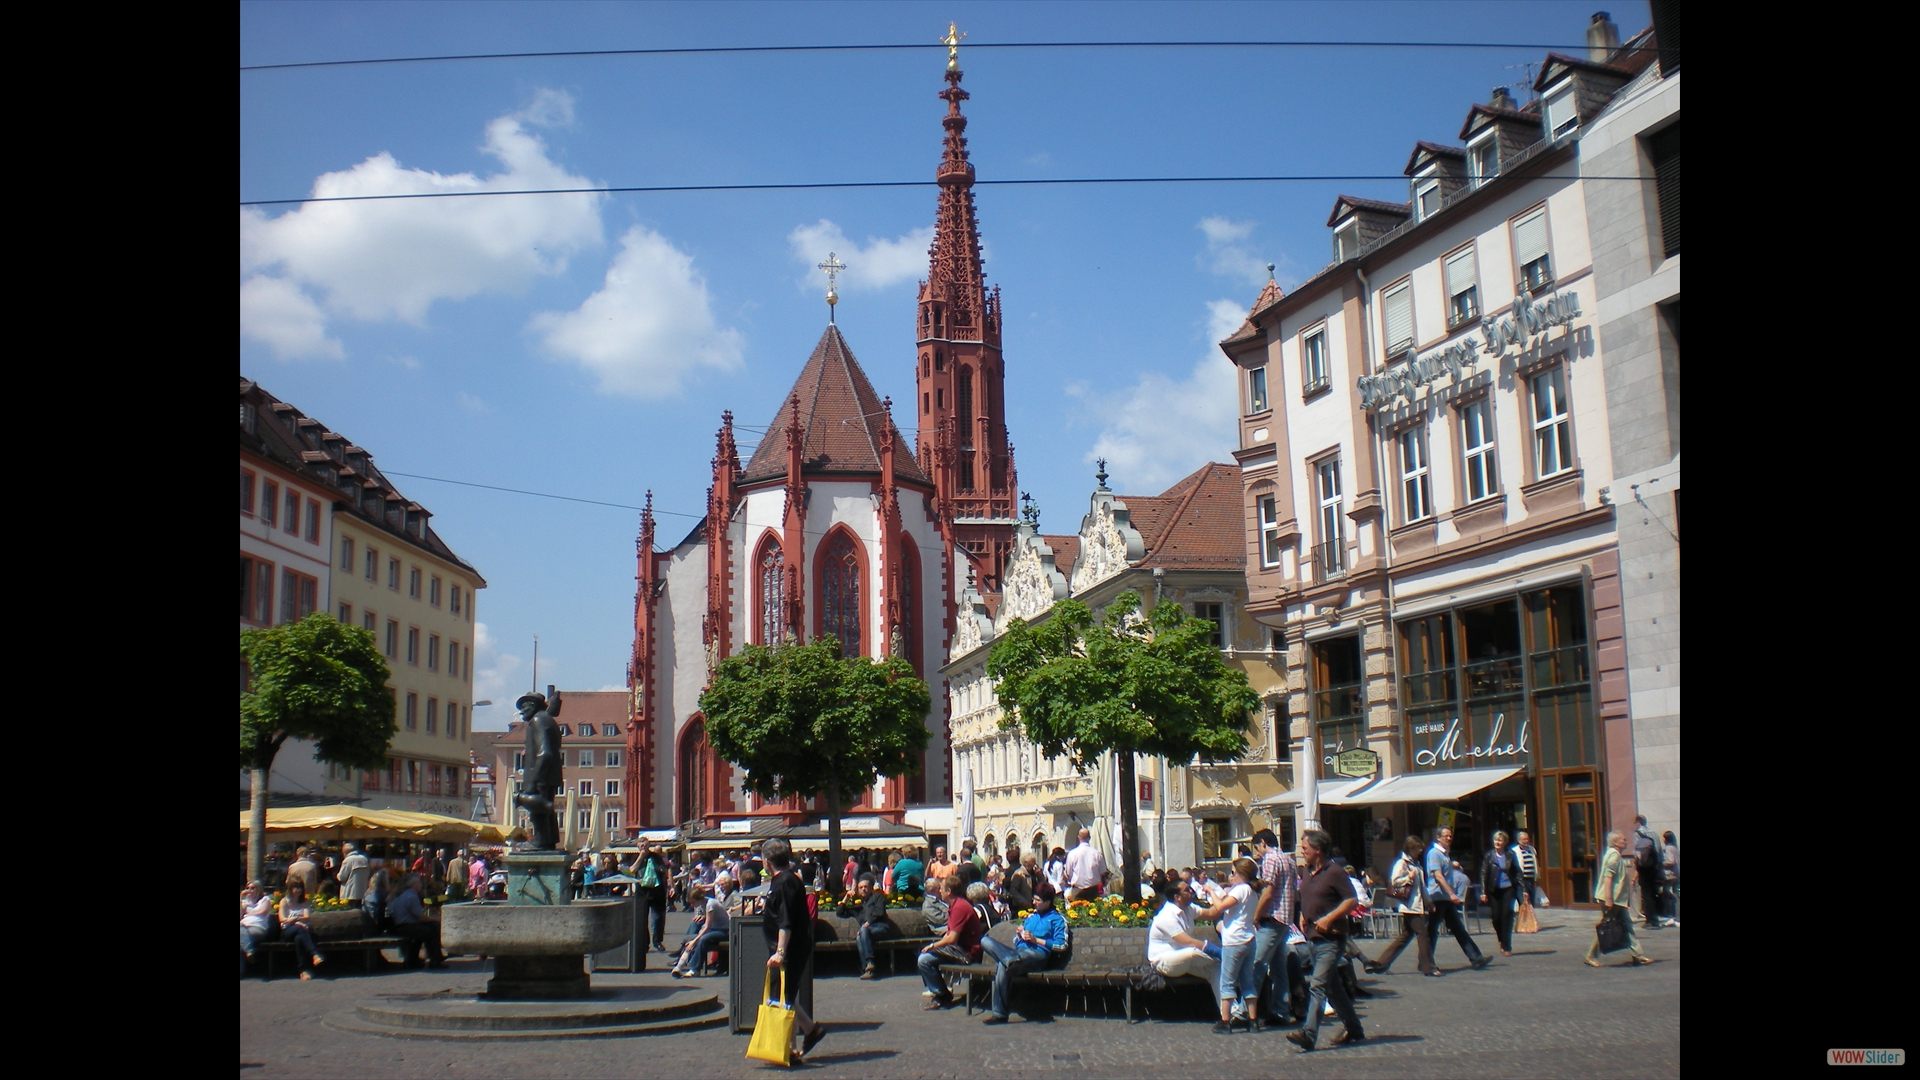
1326,896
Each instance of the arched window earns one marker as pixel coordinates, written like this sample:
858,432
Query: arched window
770,565
963,407
909,585
693,777
840,591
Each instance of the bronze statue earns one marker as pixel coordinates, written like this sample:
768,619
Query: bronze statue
541,773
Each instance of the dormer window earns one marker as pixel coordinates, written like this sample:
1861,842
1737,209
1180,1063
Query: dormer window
1562,117
1346,240
1483,160
1426,195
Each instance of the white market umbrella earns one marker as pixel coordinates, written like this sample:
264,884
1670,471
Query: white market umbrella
596,832
966,807
1105,811
1309,787
569,829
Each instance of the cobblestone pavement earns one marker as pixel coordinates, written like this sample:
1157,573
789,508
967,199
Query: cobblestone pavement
1538,1013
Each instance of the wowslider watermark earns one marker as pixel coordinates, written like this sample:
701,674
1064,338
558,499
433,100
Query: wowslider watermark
1866,1057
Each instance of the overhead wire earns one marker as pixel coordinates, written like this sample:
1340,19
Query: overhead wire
699,50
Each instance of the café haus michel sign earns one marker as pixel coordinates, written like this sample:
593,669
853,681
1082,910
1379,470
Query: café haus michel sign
1524,325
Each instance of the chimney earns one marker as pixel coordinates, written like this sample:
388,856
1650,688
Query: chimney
1502,99
1603,37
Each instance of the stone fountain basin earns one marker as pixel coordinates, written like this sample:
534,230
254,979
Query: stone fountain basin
496,928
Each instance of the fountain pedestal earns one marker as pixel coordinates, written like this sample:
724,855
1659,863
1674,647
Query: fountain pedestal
540,937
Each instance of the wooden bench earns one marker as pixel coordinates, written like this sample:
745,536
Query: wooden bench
1094,961
834,935
334,932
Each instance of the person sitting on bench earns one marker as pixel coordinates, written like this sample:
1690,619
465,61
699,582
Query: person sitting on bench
1042,934
411,925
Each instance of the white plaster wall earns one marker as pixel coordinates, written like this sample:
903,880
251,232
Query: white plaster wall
680,670
1325,421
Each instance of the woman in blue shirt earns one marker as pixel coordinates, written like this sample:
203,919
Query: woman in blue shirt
1040,936
1499,889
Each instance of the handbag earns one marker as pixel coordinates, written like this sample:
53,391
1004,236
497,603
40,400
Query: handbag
773,1031
1612,929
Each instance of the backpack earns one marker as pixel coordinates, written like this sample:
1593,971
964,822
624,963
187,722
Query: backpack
1646,855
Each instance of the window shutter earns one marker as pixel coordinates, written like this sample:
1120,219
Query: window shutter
1664,148
1460,275
1530,237
1399,319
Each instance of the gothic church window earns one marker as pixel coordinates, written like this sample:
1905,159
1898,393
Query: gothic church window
840,593
773,576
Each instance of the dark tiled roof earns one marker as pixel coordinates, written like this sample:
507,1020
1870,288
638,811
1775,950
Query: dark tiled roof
1065,550
1198,523
1528,115
840,416
275,435
1436,149
1377,206
1563,60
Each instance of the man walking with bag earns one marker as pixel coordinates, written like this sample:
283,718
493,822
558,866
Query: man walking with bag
1613,888
1443,900
1326,896
1646,867
1406,883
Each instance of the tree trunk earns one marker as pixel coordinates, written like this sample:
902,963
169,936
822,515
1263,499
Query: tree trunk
257,822
1129,827
835,869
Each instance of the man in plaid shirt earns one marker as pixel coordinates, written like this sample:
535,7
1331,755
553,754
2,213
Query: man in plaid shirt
1273,912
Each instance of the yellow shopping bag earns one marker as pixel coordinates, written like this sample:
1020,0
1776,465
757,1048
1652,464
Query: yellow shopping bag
773,1031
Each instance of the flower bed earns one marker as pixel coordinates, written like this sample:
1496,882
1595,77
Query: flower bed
1106,911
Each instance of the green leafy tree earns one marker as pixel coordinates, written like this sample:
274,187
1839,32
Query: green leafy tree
804,720
317,679
1154,686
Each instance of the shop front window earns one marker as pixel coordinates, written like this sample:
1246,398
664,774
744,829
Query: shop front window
1339,700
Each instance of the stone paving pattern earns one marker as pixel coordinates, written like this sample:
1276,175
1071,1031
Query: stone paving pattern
1539,1013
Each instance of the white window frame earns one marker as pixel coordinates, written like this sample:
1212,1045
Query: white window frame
1332,522
586,759
586,789
1552,422
1522,284
1394,348
1257,390
612,788
1416,474
1313,361
585,819
608,731
1555,99
1479,153
1470,256
613,759
1268,508
1346,239
1479,459
613,820
1426,183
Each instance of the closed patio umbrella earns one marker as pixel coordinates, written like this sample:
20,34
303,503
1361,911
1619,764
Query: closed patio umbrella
966,808
570,828
596,832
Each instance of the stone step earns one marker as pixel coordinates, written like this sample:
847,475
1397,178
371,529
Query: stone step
449,1014
349,1022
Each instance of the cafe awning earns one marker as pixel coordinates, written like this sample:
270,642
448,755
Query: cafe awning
1443,786
1332,793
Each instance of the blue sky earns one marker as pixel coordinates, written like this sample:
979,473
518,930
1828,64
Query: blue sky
586,345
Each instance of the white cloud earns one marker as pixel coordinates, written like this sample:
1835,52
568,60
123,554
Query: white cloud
495,674
276,313
875,265
390,260
650,324
1227,252
1160,429
472,403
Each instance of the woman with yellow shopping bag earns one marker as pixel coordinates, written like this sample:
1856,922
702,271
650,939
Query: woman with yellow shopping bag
789,929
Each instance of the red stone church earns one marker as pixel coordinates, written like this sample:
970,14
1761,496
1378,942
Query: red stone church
836,527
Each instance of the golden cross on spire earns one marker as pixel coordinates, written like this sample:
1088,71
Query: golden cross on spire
952,42
832,266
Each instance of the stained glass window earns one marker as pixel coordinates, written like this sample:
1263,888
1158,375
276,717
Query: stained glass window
840,593
772,592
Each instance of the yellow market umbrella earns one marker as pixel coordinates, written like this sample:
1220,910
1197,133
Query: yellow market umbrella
343,822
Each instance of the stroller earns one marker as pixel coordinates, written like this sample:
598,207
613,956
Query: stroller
497,885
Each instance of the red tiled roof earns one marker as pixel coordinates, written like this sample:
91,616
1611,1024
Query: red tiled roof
1197,523
1270,295
840,415
593,707
1065,550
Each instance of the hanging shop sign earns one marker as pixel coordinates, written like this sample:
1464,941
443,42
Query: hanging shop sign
1362,762
1470,742
1524,326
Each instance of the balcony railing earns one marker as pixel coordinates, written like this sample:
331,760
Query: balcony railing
1330,559
1492,678
1561,667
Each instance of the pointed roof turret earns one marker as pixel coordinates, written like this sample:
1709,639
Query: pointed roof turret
954,272
1270,295
840,418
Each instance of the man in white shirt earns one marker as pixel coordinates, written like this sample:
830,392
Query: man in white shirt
1085,868
353,875
1171,947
